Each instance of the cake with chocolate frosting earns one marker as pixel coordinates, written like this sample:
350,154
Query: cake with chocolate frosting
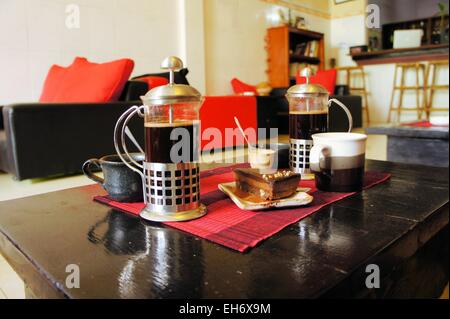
281,184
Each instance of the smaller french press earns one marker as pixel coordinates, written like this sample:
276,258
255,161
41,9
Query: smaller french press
308,115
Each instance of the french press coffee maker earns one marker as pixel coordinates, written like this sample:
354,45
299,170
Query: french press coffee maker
308,115
170,172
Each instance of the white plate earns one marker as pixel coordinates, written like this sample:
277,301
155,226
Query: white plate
252,202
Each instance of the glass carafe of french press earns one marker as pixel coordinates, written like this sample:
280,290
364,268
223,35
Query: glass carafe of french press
170,172
308,115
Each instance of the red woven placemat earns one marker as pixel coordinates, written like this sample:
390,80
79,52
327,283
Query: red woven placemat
238,229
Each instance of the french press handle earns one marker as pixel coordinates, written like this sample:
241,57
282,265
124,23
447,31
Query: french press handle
347,111
119,139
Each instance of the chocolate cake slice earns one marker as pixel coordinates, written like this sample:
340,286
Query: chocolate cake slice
280,184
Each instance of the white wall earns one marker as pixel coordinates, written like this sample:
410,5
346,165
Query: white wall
217,39
234,41
33,36
346,32
192,41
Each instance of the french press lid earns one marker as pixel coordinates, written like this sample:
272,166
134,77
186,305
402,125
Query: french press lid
171,93
307,88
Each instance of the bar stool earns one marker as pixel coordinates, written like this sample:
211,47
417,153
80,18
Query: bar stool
402,87
353,72
432,70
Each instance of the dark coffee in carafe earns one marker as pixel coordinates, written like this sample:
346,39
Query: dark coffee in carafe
308,115
302,124
171,142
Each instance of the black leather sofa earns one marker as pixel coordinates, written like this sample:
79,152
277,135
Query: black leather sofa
50,139
40,139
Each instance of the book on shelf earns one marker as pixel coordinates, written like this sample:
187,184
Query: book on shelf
300,49
309,49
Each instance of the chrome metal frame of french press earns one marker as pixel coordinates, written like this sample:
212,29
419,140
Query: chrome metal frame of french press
171,190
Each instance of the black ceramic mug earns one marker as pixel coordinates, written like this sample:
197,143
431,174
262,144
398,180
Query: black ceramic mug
121,183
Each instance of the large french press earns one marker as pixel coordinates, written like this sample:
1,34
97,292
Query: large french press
170,173
308,115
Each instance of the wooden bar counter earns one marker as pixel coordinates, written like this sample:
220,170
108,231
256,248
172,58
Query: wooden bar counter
423,53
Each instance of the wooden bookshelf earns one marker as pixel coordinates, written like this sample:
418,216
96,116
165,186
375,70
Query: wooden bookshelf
303,59
285,46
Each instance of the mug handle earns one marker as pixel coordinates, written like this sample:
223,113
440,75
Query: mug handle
316,153
347,111
88,172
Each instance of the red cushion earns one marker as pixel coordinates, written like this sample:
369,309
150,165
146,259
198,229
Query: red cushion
326,78
243,107
84,81
153,81
240,87
52,83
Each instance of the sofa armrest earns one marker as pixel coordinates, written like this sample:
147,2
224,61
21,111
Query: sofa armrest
51,139
133,91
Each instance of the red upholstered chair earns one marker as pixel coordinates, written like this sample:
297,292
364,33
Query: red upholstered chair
241,88
219,112
326,78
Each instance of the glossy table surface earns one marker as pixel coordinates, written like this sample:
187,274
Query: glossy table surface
326,254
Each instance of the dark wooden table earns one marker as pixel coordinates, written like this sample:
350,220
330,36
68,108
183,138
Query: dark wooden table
401,226
415,145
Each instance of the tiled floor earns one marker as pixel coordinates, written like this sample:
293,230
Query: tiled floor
11,286
11,189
